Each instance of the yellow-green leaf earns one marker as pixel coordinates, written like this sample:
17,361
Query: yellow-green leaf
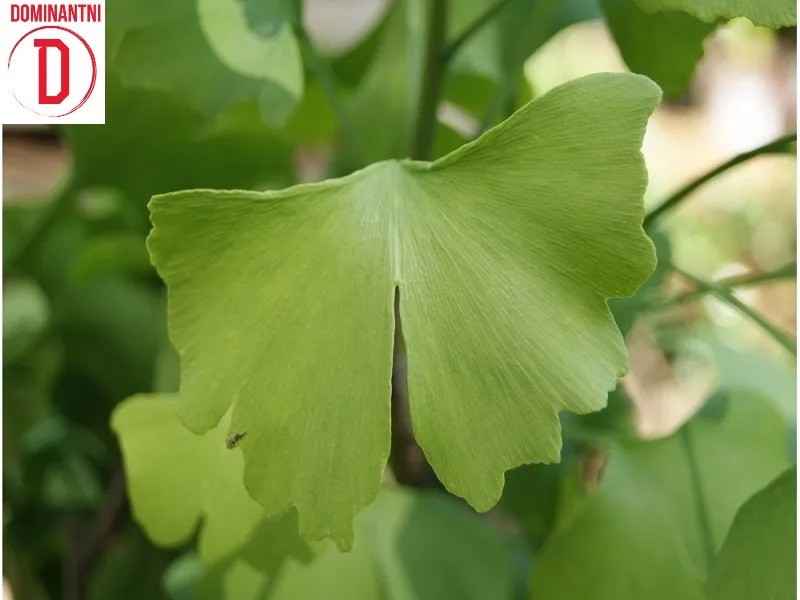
175,478
503,254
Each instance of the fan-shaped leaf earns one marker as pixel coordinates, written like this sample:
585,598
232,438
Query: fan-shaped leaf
503,254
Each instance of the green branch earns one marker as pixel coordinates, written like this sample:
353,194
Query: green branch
781,145
453,47
727,296
737,281
433,75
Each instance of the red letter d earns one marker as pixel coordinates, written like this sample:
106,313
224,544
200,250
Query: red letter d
63,51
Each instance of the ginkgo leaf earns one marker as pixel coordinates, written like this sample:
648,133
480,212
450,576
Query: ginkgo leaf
175,478
759,557
665,46
502,255
769,13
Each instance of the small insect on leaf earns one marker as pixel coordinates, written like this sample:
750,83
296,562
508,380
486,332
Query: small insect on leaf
233,439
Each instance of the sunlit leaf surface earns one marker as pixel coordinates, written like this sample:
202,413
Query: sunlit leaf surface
502,254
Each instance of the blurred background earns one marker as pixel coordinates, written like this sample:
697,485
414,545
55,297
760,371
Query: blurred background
83,311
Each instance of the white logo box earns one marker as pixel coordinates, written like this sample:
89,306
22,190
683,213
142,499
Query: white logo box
53,62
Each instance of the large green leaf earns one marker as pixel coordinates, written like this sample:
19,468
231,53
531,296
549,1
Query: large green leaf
503,254
408,546
770,13
639,533
176,477
664,46
759,558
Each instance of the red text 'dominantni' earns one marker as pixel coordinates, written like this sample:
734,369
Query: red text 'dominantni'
56,13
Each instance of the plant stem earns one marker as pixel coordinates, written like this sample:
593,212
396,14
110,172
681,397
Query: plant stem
738,281
453,47
321,68
780,145
432,80
697,491
727,296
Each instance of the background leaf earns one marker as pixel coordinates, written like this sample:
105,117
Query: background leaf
201,51
639,529
759,557
665,46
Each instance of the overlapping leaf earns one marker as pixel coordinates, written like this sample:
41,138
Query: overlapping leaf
503,254
665,46
175,478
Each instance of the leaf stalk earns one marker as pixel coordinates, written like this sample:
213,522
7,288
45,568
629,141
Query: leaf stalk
451,49
728,297
778,146
787,271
